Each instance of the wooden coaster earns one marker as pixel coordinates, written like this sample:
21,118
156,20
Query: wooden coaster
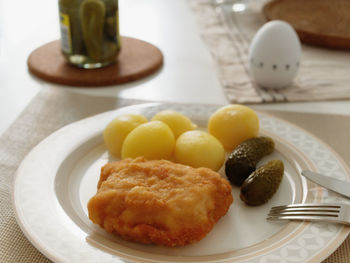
137,59
323,23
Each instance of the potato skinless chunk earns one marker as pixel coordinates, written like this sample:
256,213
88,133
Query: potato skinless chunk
176,121
153,140
233,124
199,149
116,131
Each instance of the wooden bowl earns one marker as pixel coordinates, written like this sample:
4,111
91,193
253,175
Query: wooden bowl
324,23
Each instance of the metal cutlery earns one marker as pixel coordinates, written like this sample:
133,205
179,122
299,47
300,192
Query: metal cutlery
341,187
334,213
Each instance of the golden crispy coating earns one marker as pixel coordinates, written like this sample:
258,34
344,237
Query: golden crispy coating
159,201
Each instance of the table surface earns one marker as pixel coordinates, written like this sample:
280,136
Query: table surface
188,74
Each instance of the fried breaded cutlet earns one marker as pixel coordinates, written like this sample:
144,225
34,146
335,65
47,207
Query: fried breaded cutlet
159,201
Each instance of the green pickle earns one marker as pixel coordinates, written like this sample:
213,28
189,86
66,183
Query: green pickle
89,32
262,184
244,158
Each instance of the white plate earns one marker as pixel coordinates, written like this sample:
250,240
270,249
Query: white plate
55,181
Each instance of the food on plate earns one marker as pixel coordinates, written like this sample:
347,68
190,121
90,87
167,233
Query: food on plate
233,124
243,159
262,184
158,201
199,149
176,121
116,131
257,185
153,140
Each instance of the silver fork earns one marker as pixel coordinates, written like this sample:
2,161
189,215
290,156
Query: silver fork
334,213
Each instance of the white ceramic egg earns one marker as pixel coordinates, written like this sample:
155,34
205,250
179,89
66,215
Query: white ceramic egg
274,55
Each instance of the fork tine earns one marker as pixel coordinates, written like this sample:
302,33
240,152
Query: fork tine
312,210
310,218
306,210
304,213
306,205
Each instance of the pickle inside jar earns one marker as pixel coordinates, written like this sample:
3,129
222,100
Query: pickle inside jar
94,29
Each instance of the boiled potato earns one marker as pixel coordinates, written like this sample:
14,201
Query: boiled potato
153,140
176,121
199,149
116,131
233,124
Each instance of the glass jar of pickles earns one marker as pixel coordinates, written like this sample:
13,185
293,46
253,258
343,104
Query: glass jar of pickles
89,32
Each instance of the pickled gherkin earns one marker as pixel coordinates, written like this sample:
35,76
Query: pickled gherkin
89,32
244,158
92,16
262,184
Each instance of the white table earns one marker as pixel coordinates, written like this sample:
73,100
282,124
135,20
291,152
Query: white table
188,74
